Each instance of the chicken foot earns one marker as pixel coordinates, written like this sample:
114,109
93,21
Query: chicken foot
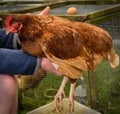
60,94
71,96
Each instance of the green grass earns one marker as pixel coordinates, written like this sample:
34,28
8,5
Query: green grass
108,85
50,85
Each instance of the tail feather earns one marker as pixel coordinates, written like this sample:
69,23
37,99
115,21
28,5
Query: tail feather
113,58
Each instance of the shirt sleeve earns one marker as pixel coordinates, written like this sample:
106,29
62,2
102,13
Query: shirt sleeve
9,41
17,62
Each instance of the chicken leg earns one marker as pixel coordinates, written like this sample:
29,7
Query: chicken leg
71,95
60,94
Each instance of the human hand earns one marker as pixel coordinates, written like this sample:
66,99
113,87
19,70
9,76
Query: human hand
45,11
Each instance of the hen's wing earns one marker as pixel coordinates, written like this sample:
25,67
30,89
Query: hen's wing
74,67
63,46
61,41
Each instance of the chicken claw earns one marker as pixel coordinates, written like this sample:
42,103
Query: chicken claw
71,105
71,97
58,98
60,94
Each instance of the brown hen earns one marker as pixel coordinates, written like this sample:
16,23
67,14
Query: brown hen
75,46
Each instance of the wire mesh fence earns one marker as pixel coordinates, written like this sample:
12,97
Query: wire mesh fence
41,95
108,79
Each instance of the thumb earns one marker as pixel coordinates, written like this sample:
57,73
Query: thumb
45,11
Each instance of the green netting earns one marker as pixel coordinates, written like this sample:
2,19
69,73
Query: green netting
42,94
108,79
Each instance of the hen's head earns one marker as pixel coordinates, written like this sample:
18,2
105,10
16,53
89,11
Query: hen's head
28,27
12,24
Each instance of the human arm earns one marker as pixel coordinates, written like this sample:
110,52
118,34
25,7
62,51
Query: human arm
17,59
16,62
9,40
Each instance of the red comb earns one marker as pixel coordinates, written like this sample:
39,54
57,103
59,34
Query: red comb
8,21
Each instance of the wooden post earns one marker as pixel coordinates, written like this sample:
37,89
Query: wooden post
91,86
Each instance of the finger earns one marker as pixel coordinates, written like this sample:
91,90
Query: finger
45,11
